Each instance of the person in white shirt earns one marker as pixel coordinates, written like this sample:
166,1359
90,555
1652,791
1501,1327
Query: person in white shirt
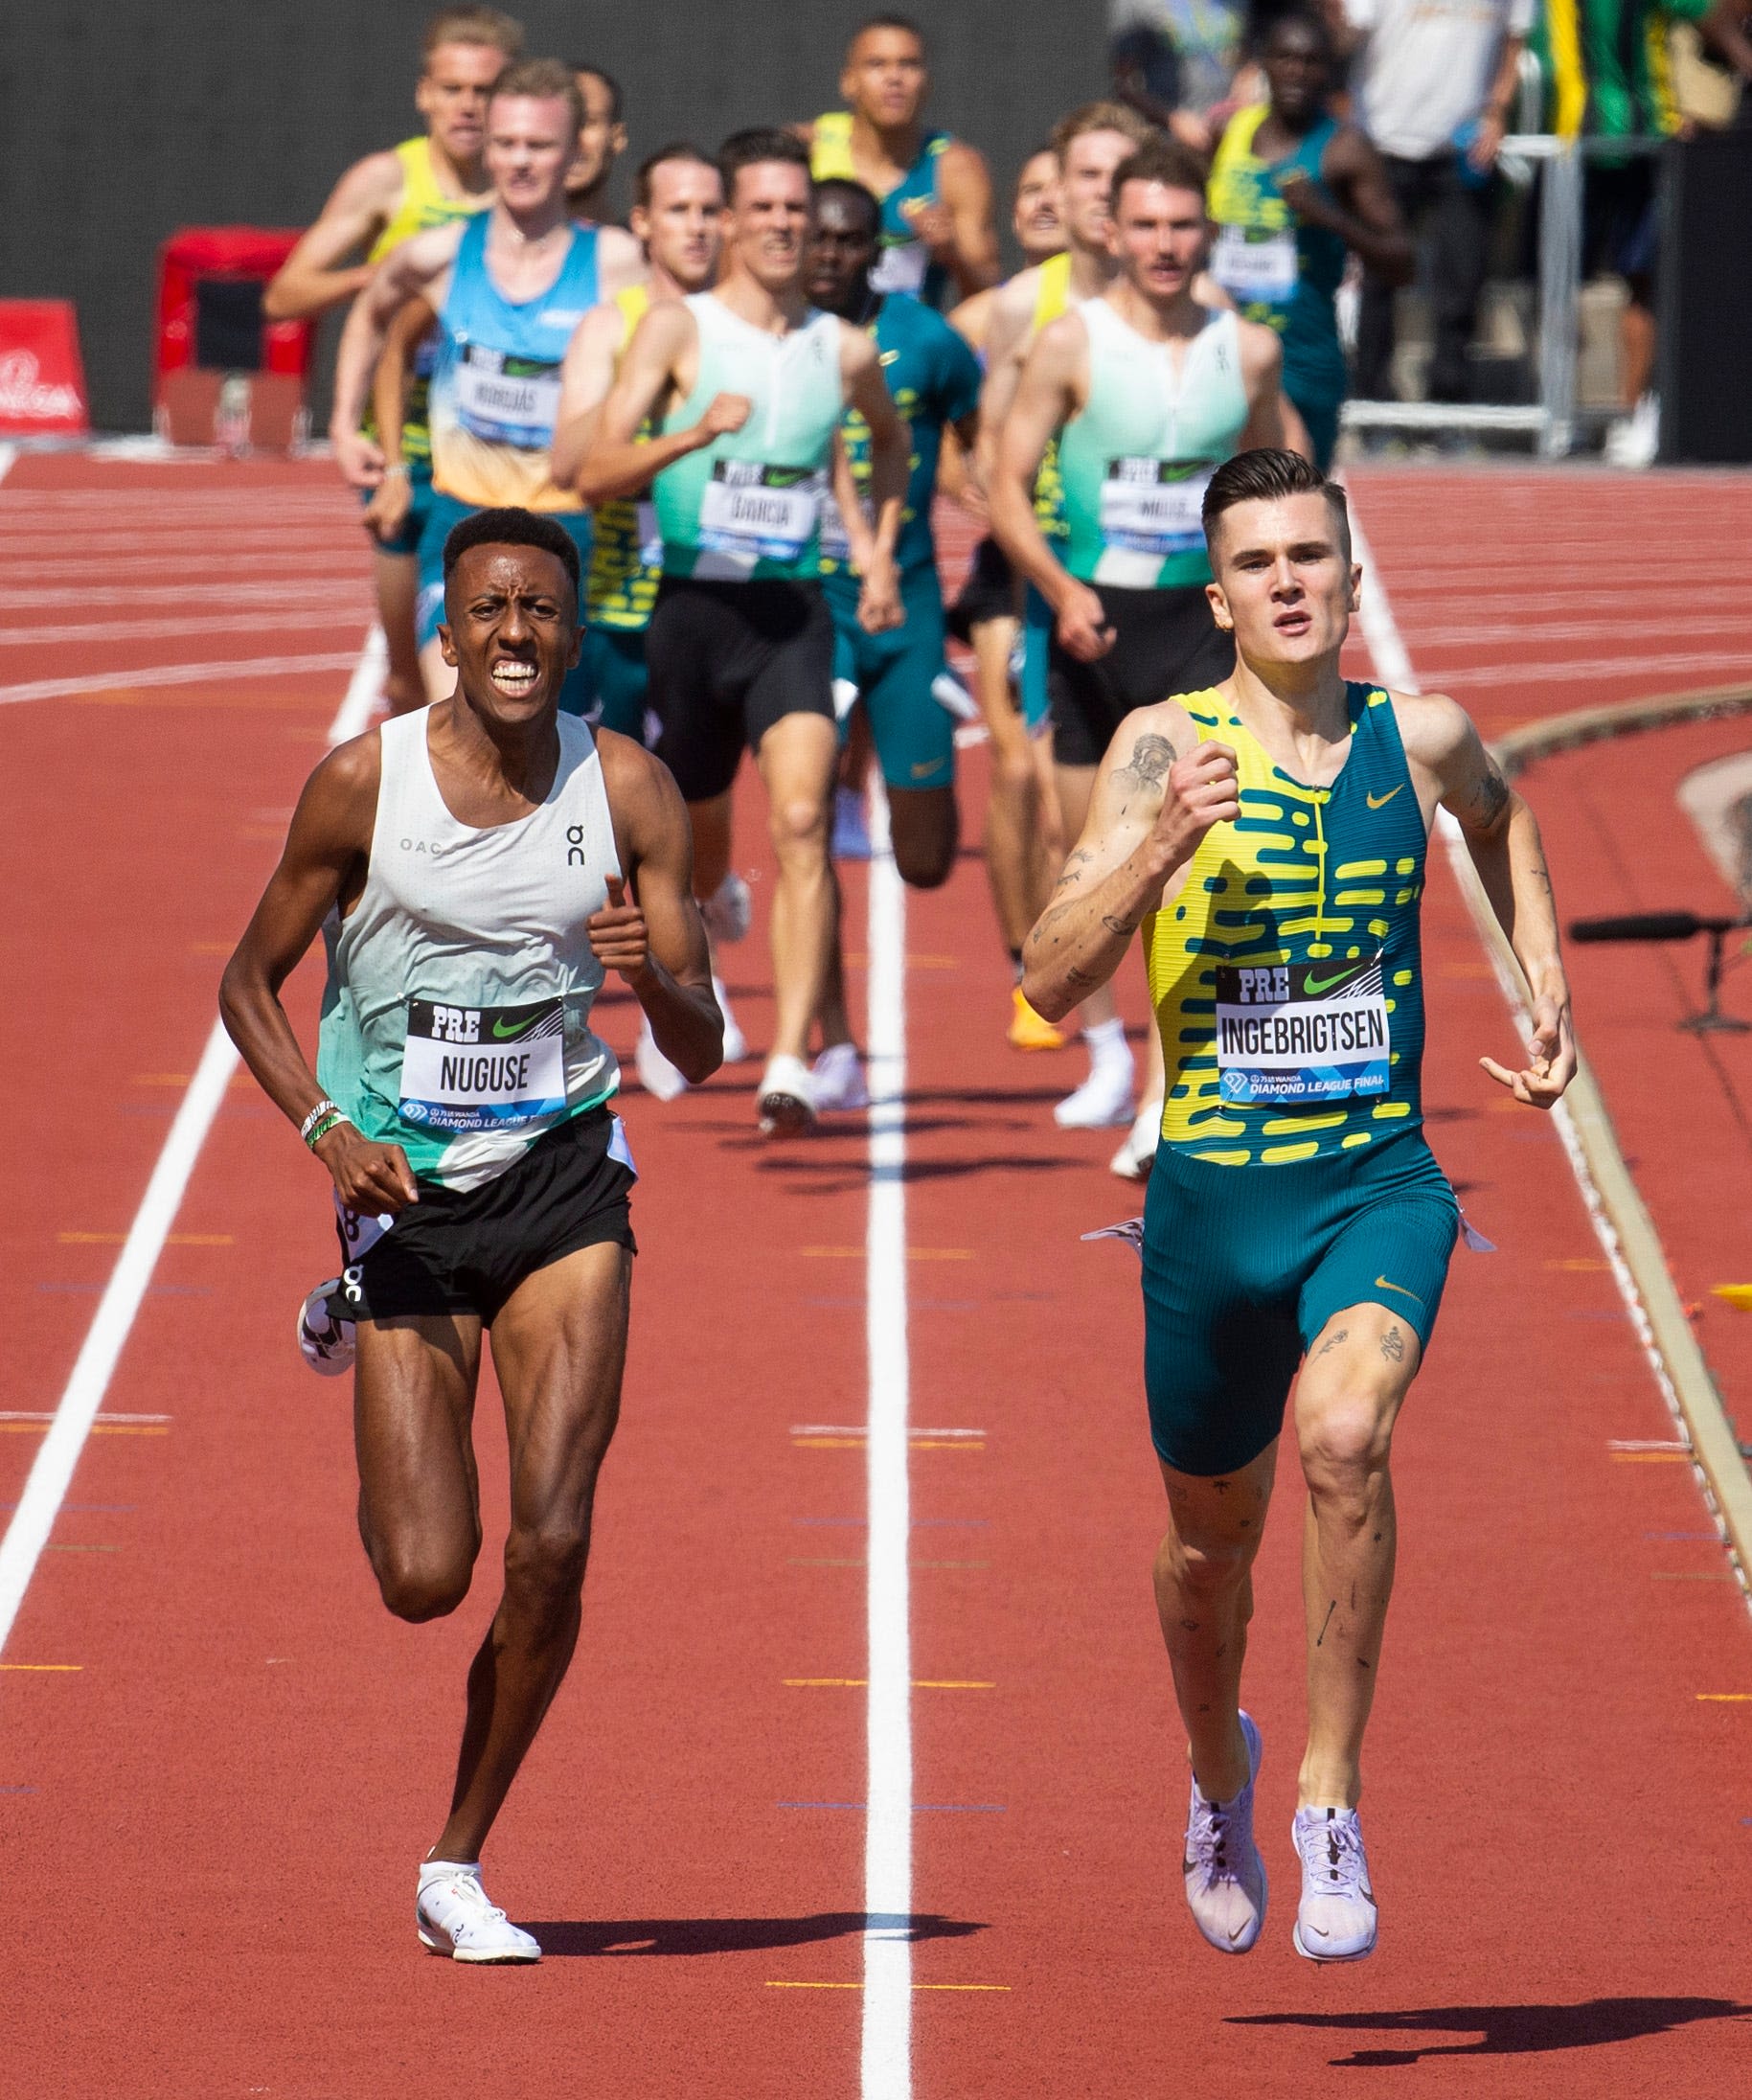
1435,81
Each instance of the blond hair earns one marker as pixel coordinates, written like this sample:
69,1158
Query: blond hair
1099,117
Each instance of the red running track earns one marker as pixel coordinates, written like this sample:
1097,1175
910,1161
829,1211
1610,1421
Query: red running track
212,1823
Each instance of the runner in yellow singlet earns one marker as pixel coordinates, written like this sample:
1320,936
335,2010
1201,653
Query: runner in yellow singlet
379,202
937,238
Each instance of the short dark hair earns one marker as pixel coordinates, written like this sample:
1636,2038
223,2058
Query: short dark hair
1265,475
903,23
484,26
855,192
1302,19
543,80
753,147
1161,159
513,527
677,150
616,101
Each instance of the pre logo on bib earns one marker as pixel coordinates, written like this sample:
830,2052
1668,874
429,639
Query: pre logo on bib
1154,506
761,512
483,1068
1302,1033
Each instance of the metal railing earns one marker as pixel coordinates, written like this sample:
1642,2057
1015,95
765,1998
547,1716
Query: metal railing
1551,421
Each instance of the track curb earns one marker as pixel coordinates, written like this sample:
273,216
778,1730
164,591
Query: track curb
1691,1390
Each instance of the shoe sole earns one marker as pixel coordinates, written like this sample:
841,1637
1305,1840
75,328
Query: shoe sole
1323,1961
784,1115
446,1953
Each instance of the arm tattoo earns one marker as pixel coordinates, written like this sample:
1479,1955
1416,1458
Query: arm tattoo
1333,1341
1150,758
1490,797
1393,1345
1080,976
1126,926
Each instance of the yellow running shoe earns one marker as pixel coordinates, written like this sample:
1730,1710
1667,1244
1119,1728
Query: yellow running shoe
1027,1029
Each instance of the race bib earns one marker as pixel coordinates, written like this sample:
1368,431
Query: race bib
901,268
1302,1033
1150,506
482,1067
1256,266
507,400
650,537
764,512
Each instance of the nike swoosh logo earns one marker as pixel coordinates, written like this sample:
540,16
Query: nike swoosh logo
516,1028
888,357
1375,802
1384,1285
1314,986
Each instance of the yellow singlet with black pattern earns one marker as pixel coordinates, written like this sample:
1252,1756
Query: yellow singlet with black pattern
1052,298
423,205
627,555
1310,888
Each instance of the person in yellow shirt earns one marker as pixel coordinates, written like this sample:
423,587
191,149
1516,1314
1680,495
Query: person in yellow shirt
376,205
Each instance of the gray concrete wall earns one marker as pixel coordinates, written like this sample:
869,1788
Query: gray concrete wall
123,121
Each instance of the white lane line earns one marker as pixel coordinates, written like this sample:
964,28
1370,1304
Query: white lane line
59,1455
172,675
1393,665
887,2072
101,631
9,453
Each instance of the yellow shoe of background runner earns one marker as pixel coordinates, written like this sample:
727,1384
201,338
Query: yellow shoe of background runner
1027,1029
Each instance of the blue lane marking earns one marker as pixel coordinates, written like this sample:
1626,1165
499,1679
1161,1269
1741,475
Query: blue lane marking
18,1789
1713,1537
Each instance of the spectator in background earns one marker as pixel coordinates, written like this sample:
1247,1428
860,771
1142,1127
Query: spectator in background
1434,82
1607,75
1292,192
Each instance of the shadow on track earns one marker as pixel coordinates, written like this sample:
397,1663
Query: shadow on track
722,1935
1509,2030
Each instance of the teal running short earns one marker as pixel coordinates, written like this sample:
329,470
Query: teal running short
1244,1265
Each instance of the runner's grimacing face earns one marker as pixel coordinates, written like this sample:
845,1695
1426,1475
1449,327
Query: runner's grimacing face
530,145
841,251
683,225
1038,229
1159,236
1297,73
452,96
510,630
1085,183
770,217
600,141
884,81
1285,580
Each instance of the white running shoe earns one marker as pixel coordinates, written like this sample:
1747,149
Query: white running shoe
659,1078
736,1043
1225,1877
1136,1157
836,1077
325,1340
787,1100
729,910
456,1917
850,829
1104,1101
1635,439
1336,1918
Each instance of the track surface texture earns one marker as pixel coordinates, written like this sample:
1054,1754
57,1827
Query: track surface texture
210,1820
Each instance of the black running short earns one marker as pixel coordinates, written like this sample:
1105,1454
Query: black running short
726,661
1164,642
467,1251
989,592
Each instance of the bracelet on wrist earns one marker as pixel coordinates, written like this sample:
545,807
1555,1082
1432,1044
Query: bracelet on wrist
396,466
318,1130
324,1107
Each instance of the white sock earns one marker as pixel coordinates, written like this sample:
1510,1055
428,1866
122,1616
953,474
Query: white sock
1107,1045
430,1870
